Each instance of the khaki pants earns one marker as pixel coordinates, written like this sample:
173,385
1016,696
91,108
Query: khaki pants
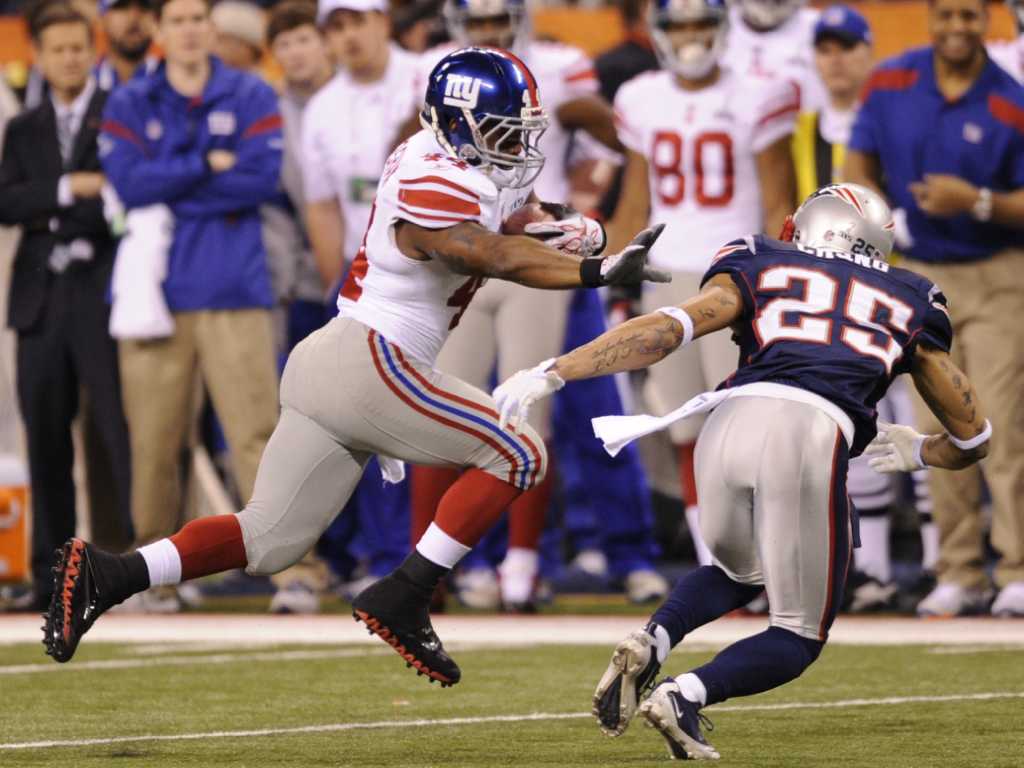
514,327
698,367
348,393
986,304
233,351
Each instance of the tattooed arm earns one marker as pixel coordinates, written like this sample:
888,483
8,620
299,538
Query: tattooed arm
470,249
645,340
952,399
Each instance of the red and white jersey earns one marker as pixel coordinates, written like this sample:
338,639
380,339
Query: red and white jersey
700,148
1009,54
414,304
563,73
786,51
348,130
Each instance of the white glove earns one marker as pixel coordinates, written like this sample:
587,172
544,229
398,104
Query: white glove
901,230
896,448
574,233
522,389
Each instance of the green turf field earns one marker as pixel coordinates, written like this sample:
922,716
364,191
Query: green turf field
172,693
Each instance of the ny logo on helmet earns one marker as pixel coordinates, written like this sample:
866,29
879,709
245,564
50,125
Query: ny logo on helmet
462,91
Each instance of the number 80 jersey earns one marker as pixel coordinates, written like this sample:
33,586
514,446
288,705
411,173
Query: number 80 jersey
700,148
834,323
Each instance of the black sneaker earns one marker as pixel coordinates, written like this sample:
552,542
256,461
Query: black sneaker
394,612
679,721
630,673
83,582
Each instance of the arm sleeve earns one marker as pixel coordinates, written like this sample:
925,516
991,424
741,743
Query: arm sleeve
23,199
579,78
737,260
139,178
776,113
440,199
629,133
255,177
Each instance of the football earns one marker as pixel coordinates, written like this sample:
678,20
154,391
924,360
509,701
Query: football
516,222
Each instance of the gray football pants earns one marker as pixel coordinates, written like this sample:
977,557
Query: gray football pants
347,394
771,475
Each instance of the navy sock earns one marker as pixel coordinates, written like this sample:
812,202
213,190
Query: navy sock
757,664
701,596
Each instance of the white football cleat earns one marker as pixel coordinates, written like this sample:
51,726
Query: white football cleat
679,721
949,599
630,673
1010,602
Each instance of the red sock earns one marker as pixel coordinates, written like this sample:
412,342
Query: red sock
210,545
473,505
427,486
528,513
687,479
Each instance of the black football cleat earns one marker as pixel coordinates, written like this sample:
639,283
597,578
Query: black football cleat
630,673
82,583
393,611
679,721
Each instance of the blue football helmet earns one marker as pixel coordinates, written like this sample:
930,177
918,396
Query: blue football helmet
483,106
696,58
460,15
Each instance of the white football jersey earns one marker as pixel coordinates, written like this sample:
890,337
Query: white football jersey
415,304
349,128
1009,54
786,51
563,73
700,148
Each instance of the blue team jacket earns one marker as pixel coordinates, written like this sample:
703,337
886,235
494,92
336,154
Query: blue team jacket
153,147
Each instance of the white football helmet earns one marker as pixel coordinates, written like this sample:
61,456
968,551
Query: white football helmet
459,16
845,217
769,14
695,59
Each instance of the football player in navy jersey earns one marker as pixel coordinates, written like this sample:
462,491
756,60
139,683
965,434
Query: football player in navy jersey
823,323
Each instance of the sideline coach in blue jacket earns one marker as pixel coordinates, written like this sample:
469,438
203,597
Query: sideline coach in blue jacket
941,133
204,140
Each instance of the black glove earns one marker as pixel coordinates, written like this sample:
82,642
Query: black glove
628,266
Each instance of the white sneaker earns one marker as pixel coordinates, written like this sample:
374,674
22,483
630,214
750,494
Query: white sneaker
478,588
295,597
1010,602
592,562
645,586
949,599
517,578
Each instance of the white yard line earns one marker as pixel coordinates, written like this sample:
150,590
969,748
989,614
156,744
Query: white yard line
536,716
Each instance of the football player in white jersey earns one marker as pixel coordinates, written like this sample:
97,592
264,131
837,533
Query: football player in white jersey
365,384
351,126
713,157
510,325
775,38
1009,54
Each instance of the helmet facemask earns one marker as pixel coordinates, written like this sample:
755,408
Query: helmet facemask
460,17
769,14
703,47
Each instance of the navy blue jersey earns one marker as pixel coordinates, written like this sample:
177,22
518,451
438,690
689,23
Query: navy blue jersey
838,324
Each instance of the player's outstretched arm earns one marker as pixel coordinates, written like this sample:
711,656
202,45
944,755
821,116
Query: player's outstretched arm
638,343
471,249
950,396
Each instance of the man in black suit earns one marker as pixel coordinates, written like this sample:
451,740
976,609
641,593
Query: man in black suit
50,184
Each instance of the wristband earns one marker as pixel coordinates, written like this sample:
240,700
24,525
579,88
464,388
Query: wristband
918,446
590,273
683,318
974,442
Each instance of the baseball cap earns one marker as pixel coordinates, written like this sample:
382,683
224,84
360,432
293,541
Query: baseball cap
106,5
842,23
326,7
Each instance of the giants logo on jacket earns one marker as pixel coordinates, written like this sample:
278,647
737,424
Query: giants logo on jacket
462,91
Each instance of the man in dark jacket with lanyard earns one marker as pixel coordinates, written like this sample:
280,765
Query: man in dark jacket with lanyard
205,141
944,127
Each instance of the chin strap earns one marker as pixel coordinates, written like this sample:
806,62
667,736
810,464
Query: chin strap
788,228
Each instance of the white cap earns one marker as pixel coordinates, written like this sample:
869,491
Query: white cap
326,7
240,19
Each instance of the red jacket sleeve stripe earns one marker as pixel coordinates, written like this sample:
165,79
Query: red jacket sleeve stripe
263,125
120,130
1005,111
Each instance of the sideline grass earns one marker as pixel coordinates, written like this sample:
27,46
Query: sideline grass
80,703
